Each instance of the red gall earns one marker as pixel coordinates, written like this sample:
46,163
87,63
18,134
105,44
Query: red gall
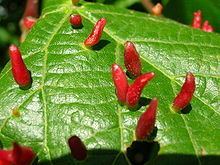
146,121
207,27
120,82
135,89
132,60
185,95
75,20
78,149
20,72
197,19
96,33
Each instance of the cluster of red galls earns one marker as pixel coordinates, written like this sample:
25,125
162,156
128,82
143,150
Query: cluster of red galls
197,22
127,94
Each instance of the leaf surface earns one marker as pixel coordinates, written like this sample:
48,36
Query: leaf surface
73,93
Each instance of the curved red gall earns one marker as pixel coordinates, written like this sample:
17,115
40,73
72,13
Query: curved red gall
120,82
75,20
185,95
19,70
77,147
135,89
131,59
96,33
146,121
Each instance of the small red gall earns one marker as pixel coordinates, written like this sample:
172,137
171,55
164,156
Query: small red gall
184,97
75,20
19,155
96,33
146,121
120,82
207,27
28,22
132,60
77,147
135,89
157,9
20,72
197,19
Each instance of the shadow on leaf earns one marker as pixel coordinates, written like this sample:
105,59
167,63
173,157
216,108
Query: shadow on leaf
186,110
138,153
77,27
141,152
142,102
101,44
181,159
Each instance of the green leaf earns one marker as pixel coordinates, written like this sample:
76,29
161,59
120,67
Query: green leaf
73,93
184,12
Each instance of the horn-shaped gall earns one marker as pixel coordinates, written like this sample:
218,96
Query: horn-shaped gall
20,72
135,89
96,33
184,97
120,82
132,60
146,121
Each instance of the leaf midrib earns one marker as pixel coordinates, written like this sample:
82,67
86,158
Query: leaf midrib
44,72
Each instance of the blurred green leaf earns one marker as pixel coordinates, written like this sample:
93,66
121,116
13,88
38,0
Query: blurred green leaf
182,11
165,2
4,36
